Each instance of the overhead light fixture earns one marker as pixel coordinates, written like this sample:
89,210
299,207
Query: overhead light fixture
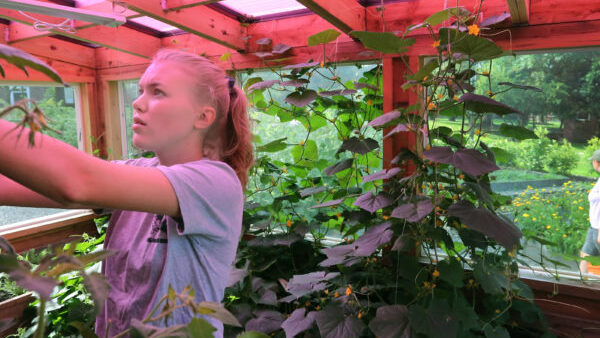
45,8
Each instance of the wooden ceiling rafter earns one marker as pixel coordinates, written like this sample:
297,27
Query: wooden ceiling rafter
176,5
212,26
519,11
344,15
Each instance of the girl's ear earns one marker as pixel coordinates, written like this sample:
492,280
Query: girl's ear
205,117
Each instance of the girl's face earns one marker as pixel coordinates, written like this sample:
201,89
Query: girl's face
166,113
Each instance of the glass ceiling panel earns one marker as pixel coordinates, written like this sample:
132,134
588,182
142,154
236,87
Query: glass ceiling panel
154,24
256,8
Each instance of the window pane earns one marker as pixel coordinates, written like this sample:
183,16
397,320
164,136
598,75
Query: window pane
59,106
130,93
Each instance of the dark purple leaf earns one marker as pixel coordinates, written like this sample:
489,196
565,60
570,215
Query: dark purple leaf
281,48
333,323
42,285
402,243
273,240
301,65
361,85
390,322
297,322
359,146
535,89
301,99
413,212
483,104
268,297
495,19
295,83
364,246
266,321
337,92
371,202
6,248
385,118
264,41
486,222
397,129
382,175
301,285
329,203
470,161
97,285
262,85
312,191
236,275
263,55
336,168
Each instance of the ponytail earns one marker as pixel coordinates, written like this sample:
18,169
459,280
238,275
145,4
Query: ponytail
237,144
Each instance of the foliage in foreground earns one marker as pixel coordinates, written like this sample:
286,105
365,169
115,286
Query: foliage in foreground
434,200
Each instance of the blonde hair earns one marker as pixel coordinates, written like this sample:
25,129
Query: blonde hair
229,138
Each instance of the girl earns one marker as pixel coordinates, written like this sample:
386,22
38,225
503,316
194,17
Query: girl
178,216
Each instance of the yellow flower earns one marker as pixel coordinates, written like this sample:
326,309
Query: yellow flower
485,73
564,235
580,208
477,132
386,217
436,43
548,227
348,290
533,219
288,223
455,97
473,30
359,315
336,295
301,143
525,215
436,273
431,106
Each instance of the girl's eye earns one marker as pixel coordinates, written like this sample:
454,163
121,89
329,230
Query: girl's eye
158,92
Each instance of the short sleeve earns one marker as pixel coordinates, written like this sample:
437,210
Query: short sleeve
210,198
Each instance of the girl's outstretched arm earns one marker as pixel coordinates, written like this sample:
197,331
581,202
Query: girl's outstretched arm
74,179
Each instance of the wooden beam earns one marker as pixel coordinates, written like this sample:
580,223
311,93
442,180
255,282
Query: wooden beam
67,52
68,72
120,38
560,11
345,15
201,21
175,5
519,11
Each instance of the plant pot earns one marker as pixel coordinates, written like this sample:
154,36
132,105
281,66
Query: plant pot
12,309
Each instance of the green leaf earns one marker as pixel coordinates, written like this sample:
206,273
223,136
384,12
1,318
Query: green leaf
225,56
273,146
306,155
500,154
385,42
451,271
217,311
253,334
426,70
200,328
477,48
325,36
84,330
517,132
22,60
443,15
492,281
251,81
495,332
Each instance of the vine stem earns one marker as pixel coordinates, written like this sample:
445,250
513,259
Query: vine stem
39,332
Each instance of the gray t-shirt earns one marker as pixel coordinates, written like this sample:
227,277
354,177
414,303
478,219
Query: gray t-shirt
156,251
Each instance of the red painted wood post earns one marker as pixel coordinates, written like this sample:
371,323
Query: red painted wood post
395,70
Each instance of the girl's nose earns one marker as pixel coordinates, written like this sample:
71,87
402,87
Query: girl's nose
138,104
